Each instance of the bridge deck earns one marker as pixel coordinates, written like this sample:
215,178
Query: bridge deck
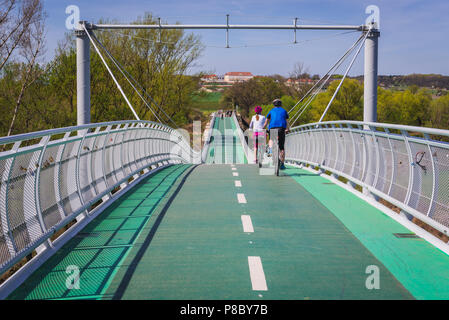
179,235
225,147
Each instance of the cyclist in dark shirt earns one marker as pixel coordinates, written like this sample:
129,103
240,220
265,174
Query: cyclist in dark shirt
278,120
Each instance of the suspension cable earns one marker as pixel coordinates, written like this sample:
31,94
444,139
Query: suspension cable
332,68
123,70
344,77
311,98
329,74
112,75
123,73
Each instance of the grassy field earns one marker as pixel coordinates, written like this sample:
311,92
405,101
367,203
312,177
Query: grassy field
203,104
206,102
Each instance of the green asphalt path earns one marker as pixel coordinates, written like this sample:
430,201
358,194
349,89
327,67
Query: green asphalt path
225,147
179,235
201,252
417,264
100,248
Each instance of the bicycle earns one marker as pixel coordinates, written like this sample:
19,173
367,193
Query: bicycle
260,142
274,136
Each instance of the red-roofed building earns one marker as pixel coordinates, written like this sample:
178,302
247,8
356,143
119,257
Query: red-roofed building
209,78
237,76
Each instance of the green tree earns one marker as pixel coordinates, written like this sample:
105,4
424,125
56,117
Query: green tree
347,105
47,92
408,107
386,111
256,91
158,61
439,113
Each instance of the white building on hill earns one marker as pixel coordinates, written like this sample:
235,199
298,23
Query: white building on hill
237,76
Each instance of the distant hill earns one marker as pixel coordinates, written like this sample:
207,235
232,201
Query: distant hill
433,81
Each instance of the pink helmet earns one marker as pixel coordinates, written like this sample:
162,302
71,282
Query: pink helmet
258,109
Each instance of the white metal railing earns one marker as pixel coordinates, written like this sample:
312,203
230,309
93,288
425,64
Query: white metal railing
207,138
249,155
401,164
51,177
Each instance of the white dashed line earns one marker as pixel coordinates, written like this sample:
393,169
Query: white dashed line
247,224
241,197
256,273
233,168
235,174
238,183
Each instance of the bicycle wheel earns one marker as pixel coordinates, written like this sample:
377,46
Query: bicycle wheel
276,166
260,150
275,149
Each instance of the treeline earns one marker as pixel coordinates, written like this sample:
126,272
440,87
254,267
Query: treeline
35,95
436,81
420,80
413,106
258,91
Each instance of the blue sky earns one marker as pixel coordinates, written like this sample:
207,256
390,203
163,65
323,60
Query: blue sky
413,32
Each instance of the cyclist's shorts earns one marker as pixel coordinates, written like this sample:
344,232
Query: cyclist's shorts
258,137
281,137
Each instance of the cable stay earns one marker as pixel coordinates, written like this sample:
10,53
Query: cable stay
125,73
92,36
110,72
133,83
332,68
344,77
329,74
327,77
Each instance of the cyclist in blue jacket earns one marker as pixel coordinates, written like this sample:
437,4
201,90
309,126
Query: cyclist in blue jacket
277,118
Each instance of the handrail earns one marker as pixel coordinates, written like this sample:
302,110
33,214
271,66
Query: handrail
207,139
431,131
45,185
241,135
39,134
408,170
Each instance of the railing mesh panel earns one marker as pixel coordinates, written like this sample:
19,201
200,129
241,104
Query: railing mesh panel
407,167
50,183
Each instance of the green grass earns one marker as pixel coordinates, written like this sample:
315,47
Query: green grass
206,101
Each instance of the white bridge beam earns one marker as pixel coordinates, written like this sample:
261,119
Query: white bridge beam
83,65
231,26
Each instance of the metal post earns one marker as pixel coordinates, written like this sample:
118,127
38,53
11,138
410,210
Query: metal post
227,31
370,89
160,33
296,24
82,76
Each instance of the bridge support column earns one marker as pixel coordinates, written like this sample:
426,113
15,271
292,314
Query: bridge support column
82,76
370,85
